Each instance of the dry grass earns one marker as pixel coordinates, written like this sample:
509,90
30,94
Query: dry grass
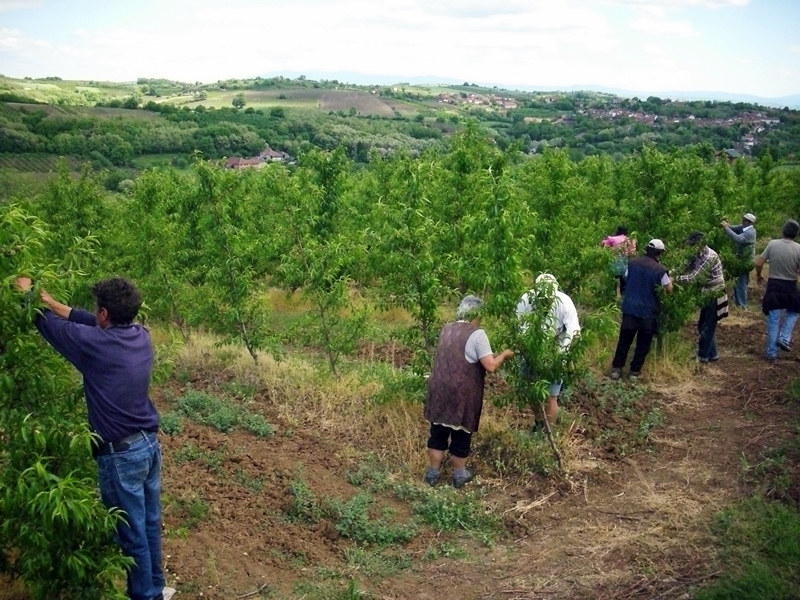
305,396
646,528
284,302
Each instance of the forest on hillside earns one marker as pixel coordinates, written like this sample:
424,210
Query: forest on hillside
113,125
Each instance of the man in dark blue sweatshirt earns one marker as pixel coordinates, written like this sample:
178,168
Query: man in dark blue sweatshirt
115,357
640,308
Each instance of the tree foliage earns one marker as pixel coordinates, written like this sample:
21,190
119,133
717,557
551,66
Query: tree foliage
55,534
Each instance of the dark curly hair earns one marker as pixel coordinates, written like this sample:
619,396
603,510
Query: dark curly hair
119,297
791,229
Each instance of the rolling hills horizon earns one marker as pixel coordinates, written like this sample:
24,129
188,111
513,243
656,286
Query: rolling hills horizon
354,77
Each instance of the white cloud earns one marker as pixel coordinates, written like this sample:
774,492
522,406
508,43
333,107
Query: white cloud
8,5
652,26
664,62
655,50
675,4
10,39
795,49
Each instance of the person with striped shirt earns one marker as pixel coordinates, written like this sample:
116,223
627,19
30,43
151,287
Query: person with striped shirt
706,266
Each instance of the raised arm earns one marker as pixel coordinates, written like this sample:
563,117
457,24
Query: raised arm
61,310
492,362
740,237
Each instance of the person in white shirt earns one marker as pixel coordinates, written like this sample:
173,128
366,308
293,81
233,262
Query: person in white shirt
562,321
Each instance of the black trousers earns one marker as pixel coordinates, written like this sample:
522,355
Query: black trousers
643,330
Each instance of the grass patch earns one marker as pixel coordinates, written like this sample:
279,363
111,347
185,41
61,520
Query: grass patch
171,423
190,512
448,509
777,474
207,409
222,415
442,507
356,520
369,474
311,590
376,562
213,460
760,545
258,425
514,453
618,416
304,507
254,485
444,549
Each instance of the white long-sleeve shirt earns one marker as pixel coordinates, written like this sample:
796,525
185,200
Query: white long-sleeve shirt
562,320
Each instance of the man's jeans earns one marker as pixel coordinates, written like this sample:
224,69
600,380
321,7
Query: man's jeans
131,480
740,290
706,329
777,332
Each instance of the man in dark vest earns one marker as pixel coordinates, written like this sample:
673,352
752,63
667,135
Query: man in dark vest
640,308
455,390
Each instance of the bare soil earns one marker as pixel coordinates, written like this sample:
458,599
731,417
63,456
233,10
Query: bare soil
365,103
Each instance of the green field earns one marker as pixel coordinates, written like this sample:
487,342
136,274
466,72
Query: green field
36,163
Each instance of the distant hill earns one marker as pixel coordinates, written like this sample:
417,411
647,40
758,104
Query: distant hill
792,101
353,77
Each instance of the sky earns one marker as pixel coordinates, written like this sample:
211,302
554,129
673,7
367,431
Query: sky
734,46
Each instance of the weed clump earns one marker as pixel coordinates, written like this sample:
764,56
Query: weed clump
222,415
760,541
354,521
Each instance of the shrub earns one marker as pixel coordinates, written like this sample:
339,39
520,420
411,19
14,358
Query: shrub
355,522
207,409
171,423
258,425
304,507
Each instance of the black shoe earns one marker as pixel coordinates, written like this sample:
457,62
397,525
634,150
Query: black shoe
431,476
785,346
461,481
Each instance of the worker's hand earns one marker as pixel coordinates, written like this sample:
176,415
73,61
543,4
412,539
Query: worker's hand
46,298
724,223
760,279
23,283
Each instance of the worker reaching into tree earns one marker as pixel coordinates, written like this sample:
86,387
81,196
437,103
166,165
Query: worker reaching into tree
641,308
561,321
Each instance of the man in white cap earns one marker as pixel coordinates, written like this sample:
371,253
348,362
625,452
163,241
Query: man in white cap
744,236
562,321
640,308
